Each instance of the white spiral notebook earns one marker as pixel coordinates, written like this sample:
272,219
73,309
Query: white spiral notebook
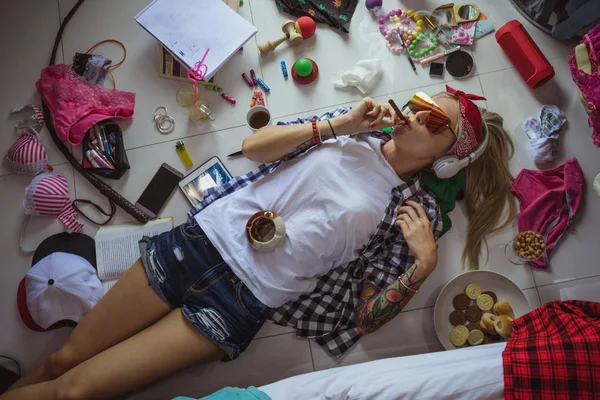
187,28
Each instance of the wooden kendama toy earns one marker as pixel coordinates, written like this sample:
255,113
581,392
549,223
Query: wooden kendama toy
295,33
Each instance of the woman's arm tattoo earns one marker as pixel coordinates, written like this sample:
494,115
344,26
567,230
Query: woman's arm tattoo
375,309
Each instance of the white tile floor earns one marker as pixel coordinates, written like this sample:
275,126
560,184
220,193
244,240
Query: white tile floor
27,33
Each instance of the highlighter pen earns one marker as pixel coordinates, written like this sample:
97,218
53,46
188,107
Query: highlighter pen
395,107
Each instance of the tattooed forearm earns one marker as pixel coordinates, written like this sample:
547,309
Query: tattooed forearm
375,309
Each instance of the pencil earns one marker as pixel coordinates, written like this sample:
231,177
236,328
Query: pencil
412,64
237,153
395,107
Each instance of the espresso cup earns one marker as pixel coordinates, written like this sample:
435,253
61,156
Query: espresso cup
258,117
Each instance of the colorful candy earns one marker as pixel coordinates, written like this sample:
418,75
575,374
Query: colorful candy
284,69
263,85
247,79
253,75
228,98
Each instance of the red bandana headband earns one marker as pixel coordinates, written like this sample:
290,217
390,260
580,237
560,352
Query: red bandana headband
470,131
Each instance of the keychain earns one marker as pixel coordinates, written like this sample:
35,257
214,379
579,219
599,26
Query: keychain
163,121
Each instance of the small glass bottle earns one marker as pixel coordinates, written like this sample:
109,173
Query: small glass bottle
183,154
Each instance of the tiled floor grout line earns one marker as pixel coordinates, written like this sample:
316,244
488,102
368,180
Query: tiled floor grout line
62,48
538,296
311,354
569,280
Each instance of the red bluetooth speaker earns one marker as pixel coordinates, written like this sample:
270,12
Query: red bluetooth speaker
525,55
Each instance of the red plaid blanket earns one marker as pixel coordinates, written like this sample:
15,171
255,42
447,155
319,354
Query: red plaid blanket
554,353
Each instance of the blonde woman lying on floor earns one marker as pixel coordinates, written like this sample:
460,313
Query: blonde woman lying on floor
360,240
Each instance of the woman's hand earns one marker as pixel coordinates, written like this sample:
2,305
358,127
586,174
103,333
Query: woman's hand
416,227
367,115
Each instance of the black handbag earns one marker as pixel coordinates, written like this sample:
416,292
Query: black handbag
119,159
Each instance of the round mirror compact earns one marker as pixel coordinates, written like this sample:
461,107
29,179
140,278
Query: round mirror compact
265,230
466,12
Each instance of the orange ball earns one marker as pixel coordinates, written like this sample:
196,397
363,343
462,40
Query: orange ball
306,26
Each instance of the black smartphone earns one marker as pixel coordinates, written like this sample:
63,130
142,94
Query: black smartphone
159,190
436,69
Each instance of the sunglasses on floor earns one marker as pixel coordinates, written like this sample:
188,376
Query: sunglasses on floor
437,120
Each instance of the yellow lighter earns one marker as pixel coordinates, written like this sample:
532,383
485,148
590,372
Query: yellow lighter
183,154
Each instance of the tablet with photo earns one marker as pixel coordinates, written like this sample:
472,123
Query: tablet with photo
210,174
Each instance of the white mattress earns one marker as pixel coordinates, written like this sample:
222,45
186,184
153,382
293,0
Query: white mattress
470,373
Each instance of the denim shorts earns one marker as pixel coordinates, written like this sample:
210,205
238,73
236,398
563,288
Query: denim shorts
187,271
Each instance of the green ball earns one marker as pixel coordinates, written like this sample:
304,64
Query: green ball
412,47
304,67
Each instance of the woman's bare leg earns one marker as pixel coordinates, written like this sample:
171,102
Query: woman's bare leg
166,347
129,307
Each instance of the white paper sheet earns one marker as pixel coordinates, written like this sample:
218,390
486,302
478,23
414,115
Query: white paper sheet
187,28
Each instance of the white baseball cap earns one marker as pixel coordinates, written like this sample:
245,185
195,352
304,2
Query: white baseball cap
62,285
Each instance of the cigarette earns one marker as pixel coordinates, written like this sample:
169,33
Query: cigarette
395,107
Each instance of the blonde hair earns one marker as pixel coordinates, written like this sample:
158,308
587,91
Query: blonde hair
489,202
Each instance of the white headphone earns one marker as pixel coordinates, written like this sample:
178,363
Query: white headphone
448,166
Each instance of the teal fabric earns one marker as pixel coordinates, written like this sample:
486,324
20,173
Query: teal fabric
231,393
445,190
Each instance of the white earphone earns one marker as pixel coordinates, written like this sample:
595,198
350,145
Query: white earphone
448,166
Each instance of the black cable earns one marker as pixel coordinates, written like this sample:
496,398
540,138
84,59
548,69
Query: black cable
16,363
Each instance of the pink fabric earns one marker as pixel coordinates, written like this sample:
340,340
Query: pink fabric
549,201
589,84
463,34
77,104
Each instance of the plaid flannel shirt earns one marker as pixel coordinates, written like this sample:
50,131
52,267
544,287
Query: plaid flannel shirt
554,353
327,314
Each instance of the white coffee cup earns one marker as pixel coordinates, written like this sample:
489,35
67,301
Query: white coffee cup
258,110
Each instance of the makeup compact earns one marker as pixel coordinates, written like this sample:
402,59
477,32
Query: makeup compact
265,230
459,64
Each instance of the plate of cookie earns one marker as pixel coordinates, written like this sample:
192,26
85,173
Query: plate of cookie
477,307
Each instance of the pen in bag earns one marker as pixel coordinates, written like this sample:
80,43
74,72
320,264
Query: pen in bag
94,145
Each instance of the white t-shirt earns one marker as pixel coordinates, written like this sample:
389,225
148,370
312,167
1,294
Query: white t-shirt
331,199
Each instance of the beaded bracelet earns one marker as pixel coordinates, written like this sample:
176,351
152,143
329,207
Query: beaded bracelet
316,134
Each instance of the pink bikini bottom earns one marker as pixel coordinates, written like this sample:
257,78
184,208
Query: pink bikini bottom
77,104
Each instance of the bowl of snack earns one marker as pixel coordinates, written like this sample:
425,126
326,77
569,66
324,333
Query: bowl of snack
526,246
477,307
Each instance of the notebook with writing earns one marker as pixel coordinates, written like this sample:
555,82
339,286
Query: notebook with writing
187,28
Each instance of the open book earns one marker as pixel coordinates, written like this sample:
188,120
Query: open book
117,248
